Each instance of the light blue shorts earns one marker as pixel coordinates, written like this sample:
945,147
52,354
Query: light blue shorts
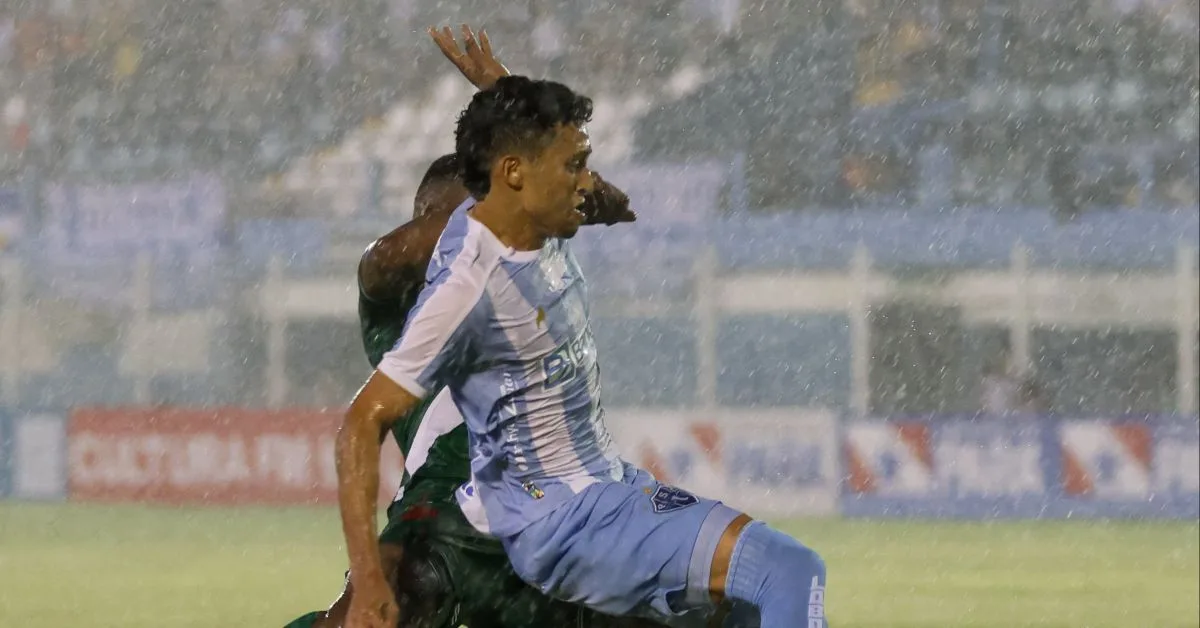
629,548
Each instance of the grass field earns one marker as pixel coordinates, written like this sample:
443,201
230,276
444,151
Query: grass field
133,567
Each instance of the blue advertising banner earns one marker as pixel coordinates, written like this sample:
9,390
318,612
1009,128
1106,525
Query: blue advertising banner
1031,468
84,221
92,235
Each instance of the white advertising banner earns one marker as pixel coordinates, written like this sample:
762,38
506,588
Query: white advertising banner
769,463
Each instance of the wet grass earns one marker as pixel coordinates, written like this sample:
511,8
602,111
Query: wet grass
137,567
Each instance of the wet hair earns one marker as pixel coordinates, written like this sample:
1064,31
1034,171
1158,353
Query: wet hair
516,115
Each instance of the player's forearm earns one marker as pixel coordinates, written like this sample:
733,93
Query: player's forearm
357,457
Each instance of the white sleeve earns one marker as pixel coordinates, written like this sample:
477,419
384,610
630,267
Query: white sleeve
438,336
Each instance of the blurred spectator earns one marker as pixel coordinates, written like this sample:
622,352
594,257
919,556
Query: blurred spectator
137,88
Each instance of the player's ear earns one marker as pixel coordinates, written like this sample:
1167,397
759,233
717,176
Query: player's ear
512,171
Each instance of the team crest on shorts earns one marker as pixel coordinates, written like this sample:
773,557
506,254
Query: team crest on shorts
669,498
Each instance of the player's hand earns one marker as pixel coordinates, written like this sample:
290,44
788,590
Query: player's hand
607,204
373,606
477,62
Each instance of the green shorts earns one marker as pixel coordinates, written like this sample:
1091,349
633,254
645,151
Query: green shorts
484,592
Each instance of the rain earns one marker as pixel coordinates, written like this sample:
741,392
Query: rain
914,281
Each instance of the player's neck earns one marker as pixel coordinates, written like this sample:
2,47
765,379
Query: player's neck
511,227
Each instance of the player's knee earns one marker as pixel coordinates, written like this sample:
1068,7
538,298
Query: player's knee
799,558
781,562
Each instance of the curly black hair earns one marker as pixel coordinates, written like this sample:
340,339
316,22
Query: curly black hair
516,114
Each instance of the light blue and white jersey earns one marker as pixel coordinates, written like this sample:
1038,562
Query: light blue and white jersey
507,332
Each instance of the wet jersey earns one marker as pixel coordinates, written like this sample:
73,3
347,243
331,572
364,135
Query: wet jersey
507,332
434,444
381,320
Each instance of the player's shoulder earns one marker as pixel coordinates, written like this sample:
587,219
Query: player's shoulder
396,261
458,257
459,272
467,251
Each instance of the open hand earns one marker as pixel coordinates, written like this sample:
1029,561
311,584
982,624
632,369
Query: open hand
607,204
477,62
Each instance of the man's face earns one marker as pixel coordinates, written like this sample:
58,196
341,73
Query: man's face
555,182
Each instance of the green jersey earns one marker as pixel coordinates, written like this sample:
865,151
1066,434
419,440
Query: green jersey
382,322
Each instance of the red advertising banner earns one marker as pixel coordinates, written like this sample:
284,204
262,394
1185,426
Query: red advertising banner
220,456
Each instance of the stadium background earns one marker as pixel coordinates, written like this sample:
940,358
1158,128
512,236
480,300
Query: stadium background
899,262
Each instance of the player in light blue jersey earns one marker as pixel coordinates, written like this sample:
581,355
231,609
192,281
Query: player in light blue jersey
503,324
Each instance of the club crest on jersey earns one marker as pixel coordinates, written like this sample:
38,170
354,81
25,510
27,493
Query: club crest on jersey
533,490
669,498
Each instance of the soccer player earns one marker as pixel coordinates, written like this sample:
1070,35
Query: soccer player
448,573
502,322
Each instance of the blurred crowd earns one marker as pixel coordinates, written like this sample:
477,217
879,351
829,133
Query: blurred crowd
1072,104
135,88
140,89
1019,102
